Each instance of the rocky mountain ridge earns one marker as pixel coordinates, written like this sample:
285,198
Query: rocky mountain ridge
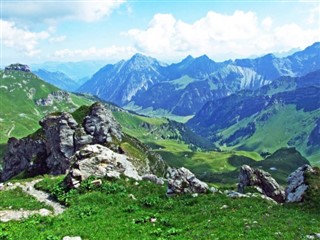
183,88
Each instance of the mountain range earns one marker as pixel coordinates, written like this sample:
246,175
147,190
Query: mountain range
283,113
256,105
144,84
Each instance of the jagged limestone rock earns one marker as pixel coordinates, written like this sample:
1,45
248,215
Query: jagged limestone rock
99,161
296,184
101,125
59,131
183,181
256,177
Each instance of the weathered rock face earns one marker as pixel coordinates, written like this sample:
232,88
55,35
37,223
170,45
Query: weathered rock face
52,148
60,143
101,125
18,67
257,177
183,181
99,161
296,184
24,154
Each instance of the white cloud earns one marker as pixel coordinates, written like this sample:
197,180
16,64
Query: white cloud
57,39
54,11
267,23
220,36
94,53
21,39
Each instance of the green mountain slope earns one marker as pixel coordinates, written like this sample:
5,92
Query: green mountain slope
285,113
19,111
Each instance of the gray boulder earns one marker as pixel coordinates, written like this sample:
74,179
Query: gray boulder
153,178
183,181
256,177
296,184
99,161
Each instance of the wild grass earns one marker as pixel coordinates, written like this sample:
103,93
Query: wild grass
16,199
126,210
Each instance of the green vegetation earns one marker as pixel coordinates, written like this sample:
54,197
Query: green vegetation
16,199
183,82
313,193
125,210
159,113
81,113
18,89
289,128
219,167
19,114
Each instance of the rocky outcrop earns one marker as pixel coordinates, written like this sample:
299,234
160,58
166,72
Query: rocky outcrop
297,186
101,125
257,177
60,143
25,154
18,67
99,161
52,148
58,96
183,181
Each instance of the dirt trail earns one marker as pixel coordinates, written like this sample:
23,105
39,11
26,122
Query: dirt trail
28,187
11,129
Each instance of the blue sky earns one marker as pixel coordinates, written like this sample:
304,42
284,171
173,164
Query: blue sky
49,30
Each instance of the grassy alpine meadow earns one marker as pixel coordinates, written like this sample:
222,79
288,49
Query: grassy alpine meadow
23,89
124,209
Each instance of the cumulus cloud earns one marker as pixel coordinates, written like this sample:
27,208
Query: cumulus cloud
21,39
220,36
54,11
94,53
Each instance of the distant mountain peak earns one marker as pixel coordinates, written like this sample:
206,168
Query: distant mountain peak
138,55
18,67
188,58
139,60
203,59
141,57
